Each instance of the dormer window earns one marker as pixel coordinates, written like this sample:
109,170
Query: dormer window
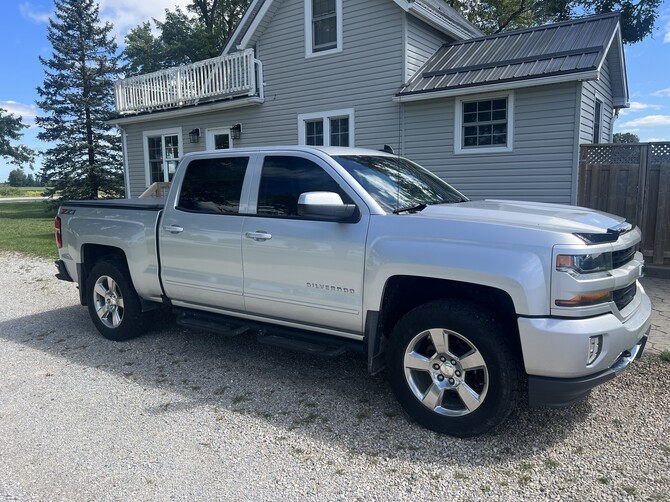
323,27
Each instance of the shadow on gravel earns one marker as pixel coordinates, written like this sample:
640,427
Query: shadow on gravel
336,402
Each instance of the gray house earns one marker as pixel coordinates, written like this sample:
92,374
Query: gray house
497,116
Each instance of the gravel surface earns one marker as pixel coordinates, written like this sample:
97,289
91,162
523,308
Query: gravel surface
187,415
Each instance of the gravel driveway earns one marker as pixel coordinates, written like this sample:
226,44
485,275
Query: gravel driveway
186,415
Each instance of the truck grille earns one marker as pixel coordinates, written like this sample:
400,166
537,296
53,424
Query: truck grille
622,297
623,256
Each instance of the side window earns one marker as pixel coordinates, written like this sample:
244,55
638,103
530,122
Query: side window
213,186
283,180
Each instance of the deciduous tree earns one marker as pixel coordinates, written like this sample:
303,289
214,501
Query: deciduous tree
495,16
77,96
184,37
625,137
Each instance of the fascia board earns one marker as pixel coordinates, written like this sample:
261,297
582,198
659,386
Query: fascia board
183,112
480,89
243,22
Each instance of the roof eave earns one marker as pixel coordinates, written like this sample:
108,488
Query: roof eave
462,31
494,87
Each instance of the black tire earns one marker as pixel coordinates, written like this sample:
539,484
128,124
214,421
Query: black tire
465,382
113,304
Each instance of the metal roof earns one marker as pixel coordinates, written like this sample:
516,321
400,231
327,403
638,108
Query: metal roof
575,46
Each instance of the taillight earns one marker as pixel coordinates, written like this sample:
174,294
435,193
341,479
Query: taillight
59,235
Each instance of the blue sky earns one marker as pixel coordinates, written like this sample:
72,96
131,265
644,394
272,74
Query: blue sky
23,29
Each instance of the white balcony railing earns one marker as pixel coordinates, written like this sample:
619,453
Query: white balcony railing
227,76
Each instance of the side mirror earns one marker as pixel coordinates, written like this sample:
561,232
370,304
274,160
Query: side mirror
327,206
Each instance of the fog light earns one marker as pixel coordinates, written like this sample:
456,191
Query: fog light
595,346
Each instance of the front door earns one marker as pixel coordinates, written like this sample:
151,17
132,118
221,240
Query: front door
300,270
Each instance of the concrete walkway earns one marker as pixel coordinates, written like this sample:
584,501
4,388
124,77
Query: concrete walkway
659,292
20,199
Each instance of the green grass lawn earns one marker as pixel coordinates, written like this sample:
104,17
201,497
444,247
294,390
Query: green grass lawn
7,191
28,227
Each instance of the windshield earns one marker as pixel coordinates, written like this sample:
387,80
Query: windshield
396,183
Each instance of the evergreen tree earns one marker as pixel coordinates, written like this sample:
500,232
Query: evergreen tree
77,95
10,130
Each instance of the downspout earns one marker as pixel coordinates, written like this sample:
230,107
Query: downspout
126,173
574,191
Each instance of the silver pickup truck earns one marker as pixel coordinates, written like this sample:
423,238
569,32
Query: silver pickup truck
468,305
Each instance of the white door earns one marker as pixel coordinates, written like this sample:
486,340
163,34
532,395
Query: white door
218,139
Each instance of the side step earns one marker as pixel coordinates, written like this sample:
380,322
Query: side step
282,337
308,343
211,322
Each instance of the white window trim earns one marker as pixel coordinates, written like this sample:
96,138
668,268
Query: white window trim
458,124
597,97
309,53
326,116
176,131
210,133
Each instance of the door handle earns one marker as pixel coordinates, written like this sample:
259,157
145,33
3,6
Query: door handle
173,229
259,236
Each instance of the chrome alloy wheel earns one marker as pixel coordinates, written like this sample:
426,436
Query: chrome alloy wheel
108,301
446,372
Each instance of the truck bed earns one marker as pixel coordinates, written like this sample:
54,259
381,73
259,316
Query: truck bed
149,204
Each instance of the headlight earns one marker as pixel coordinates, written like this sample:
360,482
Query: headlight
584,264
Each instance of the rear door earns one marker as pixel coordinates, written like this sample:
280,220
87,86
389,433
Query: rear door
200,234
296,269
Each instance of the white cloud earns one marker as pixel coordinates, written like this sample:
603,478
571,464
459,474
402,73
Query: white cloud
663,93
122,14
636,106
666,30
27,112
657,140
28,12
648,121
126,14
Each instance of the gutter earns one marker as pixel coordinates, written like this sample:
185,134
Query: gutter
501,86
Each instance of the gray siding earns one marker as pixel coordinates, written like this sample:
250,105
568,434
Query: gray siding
364,77
540,167
422,42
600,89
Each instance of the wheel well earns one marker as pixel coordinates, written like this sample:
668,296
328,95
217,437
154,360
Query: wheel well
92,254
404,293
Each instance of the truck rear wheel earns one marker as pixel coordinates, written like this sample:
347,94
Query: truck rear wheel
113,304
452,368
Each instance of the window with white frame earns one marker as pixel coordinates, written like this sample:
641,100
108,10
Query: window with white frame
484,124
323,26
333,128
597,121
162,152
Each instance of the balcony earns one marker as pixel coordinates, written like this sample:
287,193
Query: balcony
224,77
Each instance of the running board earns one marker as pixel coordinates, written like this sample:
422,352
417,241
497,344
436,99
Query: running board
308,342
211,322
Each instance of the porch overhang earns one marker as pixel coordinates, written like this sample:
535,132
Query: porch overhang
186,111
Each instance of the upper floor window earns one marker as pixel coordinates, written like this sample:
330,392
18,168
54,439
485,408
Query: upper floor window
332,128
484,125
323,26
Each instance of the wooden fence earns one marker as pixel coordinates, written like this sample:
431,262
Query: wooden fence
631,180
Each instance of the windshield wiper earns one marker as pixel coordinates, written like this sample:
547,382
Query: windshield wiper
410,209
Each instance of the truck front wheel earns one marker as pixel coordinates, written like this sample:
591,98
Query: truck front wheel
113,304
452,368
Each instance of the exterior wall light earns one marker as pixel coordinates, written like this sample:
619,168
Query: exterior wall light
236,131
194,135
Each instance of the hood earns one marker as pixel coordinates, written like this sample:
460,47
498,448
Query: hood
556,217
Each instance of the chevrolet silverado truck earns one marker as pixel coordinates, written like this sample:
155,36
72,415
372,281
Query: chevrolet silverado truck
470,306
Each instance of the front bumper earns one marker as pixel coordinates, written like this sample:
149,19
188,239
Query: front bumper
559,392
